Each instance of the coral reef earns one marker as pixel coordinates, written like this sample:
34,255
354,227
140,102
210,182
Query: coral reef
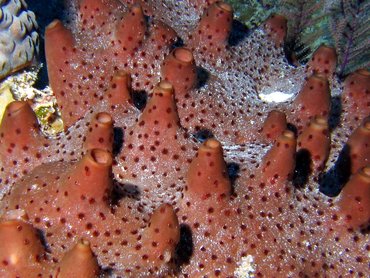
171,164
23,86
19,39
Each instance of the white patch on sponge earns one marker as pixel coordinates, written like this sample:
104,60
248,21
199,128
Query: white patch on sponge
246,268
276,97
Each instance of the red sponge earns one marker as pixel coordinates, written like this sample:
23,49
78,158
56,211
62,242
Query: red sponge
354,200
312,100
214,27
78,262
278,164
276,27
21,250
323,61
207,173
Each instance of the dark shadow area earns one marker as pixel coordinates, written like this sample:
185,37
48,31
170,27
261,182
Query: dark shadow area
107,272
332,182
42,76
41,236
185,247
46,12
120,191
335,112
203,77
292,128
139,99
238,33
202,135
116,195
365,229
118,136
131,191
294,52
148,20
302,169
178,43
233,170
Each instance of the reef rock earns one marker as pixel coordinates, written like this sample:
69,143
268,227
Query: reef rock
19,40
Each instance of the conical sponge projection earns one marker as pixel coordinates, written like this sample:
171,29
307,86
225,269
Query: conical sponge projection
207,173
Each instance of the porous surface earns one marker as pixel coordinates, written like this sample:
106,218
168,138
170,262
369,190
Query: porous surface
19,39
164,198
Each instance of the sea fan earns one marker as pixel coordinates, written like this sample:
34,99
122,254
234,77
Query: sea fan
251,12
350,28
308,23
307,27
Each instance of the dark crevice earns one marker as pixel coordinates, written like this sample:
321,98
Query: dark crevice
139,99
233,170
185,247
365,229
335,112
294,52
292,128
42,80
107,272
41,236
179,42
123,190
116,195
118,136
332,182
203,135
238,33
202,76
302,169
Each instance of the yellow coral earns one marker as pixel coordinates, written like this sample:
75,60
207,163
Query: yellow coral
5,98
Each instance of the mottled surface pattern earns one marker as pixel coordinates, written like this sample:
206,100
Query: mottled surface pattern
133,178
